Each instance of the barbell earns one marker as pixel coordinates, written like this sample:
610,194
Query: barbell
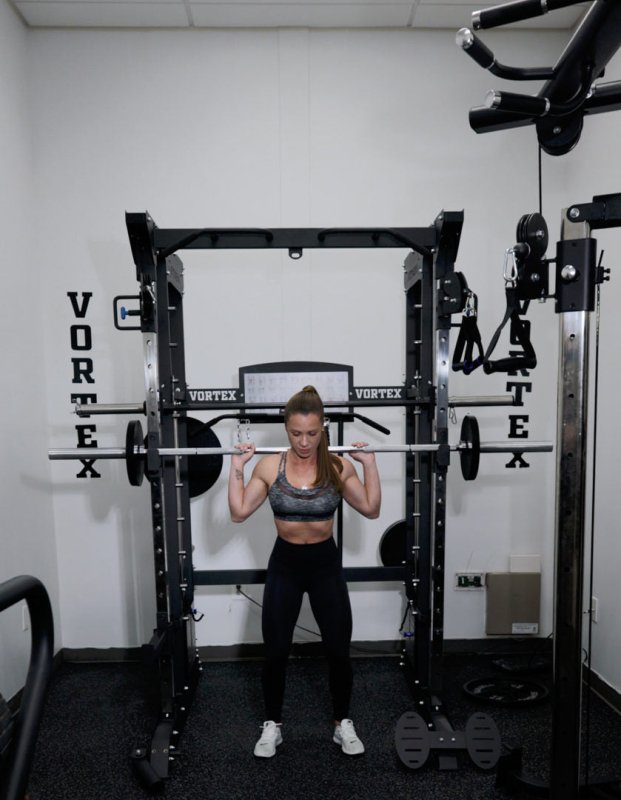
205,453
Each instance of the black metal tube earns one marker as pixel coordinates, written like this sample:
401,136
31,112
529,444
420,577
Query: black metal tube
516,11
480,52
524,104
30,589
570,535
604,97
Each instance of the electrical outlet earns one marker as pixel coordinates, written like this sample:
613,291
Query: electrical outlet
469,580
595,609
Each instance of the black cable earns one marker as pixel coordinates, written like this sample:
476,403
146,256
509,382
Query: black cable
256,602
540,184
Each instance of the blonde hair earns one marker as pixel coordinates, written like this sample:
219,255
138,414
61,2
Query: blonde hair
307,401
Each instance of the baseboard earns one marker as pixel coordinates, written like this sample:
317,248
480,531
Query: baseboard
360,649
602,689
497,645
98,655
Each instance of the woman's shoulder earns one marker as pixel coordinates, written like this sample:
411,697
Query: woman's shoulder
347,468
267,467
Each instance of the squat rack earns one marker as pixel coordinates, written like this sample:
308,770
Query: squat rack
432,295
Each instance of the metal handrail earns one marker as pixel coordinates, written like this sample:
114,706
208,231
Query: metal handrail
15,772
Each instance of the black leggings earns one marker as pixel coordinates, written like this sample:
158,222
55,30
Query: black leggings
292,570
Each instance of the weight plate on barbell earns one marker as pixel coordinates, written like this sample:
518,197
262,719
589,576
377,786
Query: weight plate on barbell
469,456
134,463
203,471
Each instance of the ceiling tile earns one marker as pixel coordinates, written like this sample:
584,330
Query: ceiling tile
434,14
305,15
76,14
269,14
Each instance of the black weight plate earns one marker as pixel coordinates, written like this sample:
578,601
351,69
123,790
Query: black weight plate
393,545
203,471
412,740
483,740
134,463
469,456
506,691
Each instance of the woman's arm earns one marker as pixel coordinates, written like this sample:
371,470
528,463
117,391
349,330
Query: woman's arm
365,496
245,499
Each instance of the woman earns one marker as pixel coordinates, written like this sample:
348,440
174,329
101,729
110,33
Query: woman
305,486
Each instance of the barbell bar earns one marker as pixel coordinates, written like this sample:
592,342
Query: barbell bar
134,452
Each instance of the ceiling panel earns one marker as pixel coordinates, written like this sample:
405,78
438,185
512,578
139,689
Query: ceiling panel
444,15
301,15
96,14
451,14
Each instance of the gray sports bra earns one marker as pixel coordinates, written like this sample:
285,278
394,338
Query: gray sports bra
301,505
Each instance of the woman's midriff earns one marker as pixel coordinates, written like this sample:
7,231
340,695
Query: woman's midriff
304,532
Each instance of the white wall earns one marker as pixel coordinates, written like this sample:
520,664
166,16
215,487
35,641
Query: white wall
27,544
288,128
271,129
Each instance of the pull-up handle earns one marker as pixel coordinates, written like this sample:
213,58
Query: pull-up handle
516,12
480,52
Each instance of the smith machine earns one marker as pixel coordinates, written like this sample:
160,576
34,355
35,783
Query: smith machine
174,440
557,112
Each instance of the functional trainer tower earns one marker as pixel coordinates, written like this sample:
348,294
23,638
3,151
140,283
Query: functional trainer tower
557,112
433,293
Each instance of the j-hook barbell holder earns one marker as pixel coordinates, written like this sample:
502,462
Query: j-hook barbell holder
469,448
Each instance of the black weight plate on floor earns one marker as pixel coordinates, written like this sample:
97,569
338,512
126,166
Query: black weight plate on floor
469,457
412,740
203,471
506,691
134,437
483,740
393,545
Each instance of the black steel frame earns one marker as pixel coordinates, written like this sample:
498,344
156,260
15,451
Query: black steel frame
577,275
569,93
160,275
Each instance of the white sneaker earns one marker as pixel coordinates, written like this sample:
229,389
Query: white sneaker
345,735
269,741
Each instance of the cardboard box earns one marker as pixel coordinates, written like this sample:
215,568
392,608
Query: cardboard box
513,603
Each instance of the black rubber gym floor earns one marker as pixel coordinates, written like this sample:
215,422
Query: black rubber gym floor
97,714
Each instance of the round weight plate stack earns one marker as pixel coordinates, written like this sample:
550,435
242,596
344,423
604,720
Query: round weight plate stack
469,456
506,691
